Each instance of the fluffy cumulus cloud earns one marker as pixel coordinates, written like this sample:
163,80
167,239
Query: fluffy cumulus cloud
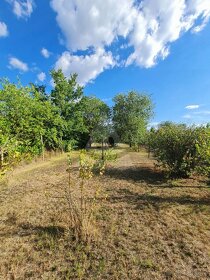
41,77
45,53
147,26
93,22
22,8
3,29
15,63
87,66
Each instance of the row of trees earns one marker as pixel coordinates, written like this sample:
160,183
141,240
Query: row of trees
32,120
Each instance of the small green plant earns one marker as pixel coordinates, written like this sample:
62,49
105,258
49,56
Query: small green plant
100,164
147,264
82,198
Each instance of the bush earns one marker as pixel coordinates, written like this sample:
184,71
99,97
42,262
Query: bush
203,152
180,149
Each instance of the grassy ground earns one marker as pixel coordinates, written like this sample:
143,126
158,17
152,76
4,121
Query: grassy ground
148,227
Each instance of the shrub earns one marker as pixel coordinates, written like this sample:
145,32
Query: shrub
179,149
203,152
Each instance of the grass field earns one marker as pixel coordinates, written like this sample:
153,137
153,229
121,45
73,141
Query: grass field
147,227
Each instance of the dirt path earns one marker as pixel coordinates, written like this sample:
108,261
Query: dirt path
150,228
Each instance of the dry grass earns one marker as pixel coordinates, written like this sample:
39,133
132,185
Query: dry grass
148,228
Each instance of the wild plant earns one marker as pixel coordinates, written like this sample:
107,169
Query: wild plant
81,196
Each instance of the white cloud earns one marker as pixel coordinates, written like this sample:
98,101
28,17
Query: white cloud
45,53
3,29
148,27
161,22
41,76
199,9
187,116
18,64
93,22
198,117
22,8
108,99
192,107
88,67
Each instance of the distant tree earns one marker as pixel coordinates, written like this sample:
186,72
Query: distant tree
171,124
131,113
96,117
66,96
66,93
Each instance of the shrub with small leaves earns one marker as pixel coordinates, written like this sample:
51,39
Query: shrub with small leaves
179,149
203,152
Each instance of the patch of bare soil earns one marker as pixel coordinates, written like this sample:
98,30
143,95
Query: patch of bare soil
149,227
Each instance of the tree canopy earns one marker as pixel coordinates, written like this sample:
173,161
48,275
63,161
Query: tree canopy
131,113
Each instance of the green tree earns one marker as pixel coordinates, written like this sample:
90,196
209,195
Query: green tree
48,120
29,121
131,113
66,96
96,117
66,93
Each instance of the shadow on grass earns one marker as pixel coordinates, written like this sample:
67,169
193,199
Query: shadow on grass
29,229
142,200
137,174
53,231
151,176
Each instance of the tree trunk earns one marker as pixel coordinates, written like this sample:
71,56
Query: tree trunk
149,152
2,158
89,143
42,143
102,156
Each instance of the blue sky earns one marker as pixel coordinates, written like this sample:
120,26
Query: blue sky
159,47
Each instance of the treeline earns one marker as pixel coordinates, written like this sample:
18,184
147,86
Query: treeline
181,150
33,121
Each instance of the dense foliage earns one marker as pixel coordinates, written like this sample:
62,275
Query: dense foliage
203,151
33,121
181,150
131,113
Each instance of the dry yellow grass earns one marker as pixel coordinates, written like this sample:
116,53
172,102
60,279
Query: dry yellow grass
148,227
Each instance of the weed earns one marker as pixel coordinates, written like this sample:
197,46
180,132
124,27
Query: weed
147,264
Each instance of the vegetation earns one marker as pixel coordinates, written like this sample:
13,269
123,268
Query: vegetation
112,215
147,227
32,121
131,113
181,150
82,209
